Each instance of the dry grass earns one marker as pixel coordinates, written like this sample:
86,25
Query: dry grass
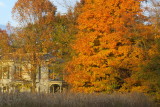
74,100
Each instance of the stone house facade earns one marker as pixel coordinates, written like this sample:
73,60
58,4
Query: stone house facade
15,77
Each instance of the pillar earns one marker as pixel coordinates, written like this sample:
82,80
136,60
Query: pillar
60,88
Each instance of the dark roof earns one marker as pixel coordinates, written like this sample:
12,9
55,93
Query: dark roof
28,57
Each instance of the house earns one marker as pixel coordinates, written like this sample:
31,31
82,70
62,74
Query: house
15,76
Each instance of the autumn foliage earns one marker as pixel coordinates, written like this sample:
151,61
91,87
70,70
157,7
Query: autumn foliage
4,44
109,46
106,45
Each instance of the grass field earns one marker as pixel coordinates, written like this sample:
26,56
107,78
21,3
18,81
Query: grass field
74,100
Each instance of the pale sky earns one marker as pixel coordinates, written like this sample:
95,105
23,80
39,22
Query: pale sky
7,5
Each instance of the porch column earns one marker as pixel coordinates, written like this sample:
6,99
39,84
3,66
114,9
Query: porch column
60,88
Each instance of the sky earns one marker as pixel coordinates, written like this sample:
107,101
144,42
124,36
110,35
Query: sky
7,5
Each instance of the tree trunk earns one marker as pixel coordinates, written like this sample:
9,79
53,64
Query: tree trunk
33,81
34,72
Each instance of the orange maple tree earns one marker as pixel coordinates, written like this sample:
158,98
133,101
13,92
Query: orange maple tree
107,46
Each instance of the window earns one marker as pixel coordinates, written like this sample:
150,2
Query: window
5,72
49,73
18,72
